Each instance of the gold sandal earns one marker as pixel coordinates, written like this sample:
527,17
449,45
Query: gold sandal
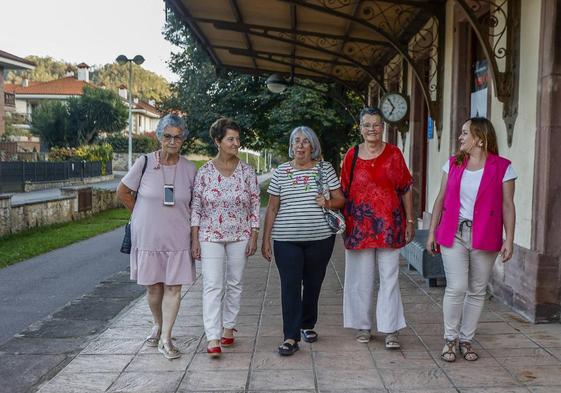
169,350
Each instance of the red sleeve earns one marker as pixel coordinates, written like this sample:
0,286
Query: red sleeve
346,170
403,177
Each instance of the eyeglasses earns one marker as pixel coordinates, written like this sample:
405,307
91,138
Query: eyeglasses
372,126
304,142
175,138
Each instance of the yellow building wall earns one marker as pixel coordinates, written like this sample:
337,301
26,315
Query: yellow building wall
522,151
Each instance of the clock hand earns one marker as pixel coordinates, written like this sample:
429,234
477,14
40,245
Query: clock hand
391,111
391,103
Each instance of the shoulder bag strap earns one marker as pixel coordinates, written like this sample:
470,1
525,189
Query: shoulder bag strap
142,174
353,164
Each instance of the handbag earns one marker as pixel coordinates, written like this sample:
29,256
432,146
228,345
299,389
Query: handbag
126,245
334,218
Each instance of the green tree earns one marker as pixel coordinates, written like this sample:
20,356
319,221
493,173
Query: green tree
96,110
146,84
79,120
50,122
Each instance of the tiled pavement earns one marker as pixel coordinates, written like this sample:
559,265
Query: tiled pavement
516,356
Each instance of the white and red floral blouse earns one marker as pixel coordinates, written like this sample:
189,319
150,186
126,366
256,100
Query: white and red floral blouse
225,208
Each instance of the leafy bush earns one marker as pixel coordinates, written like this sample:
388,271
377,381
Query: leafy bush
101,152
140,143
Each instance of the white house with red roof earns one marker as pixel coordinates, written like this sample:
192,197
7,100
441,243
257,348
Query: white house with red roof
29,95
7,99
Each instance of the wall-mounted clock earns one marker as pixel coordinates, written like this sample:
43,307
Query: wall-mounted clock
394,107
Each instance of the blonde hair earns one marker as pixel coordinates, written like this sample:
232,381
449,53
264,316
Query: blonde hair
482,128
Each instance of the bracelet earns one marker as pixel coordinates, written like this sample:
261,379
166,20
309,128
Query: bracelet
255,230
411,221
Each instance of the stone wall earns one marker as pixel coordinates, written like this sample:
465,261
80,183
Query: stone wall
18,218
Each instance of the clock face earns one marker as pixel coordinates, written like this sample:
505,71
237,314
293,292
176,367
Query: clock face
394,107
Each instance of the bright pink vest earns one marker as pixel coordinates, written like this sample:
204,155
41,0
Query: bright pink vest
487,229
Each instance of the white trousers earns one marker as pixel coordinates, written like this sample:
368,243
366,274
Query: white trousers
359,290
467,275
222,265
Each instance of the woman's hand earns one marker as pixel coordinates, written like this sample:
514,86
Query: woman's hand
195,248
409,232
431,245
506,251
251,245
321,201
266,249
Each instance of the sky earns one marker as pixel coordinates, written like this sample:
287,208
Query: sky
94,32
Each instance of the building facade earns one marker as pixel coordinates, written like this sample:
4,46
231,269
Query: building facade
451,59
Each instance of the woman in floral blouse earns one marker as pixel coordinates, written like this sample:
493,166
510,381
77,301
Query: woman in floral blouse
379,218
224,229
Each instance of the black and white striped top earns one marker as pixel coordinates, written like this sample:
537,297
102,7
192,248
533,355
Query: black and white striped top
299,217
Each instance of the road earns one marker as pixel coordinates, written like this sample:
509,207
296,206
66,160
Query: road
54,193
31,290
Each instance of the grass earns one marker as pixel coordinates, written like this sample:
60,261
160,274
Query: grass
24,245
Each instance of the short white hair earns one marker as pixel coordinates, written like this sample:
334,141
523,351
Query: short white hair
310,135
171,120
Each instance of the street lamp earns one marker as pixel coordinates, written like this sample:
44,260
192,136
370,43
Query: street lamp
122,60
277,84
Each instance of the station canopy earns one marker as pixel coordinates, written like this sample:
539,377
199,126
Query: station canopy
349,42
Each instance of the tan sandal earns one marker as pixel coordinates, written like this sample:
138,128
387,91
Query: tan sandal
467,351
154,337
449,351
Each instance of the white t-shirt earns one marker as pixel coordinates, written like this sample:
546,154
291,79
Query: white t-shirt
470,185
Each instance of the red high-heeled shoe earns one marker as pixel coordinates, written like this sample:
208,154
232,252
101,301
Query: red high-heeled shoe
214,352
227,341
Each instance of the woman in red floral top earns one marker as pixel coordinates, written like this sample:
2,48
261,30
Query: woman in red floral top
379,219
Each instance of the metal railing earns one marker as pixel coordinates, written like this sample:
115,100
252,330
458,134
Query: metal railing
14,174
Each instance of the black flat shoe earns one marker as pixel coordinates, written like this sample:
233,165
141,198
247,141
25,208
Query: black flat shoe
309,335
288,349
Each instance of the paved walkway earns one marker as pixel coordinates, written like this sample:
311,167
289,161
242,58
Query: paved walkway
516,356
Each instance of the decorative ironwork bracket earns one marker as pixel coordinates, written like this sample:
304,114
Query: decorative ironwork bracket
371,16
497,26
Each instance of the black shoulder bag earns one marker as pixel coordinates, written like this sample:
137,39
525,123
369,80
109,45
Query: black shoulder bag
353,164
127,241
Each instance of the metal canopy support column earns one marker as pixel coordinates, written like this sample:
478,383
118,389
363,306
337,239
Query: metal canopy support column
497,26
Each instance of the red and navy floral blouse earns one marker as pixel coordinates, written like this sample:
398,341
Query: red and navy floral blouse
374,212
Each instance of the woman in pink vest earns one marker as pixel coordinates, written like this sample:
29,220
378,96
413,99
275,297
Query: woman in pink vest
475,202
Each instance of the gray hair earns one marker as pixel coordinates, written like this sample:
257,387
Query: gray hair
370,111
171,120
310,135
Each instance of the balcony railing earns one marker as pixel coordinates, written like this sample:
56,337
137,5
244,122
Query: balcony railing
9,99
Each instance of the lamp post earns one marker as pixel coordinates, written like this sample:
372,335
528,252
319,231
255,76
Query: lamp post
122,60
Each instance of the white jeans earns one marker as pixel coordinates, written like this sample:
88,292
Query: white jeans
467,275
221,262
359,289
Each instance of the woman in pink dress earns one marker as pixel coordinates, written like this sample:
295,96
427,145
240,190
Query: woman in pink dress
225,225
160,256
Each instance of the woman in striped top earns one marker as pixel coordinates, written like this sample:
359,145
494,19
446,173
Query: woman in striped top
303,242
